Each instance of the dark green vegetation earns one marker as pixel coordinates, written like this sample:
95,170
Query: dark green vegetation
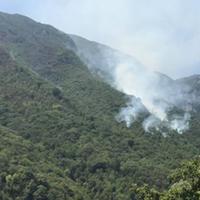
58,134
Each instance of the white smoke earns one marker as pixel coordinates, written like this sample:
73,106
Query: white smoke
158,94
181,123
155,98
131,113
151,122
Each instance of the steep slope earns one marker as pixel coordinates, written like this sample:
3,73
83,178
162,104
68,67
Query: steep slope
25,108
171,102
50,100
101,59
43,49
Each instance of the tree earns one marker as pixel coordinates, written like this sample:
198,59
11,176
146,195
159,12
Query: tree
185,182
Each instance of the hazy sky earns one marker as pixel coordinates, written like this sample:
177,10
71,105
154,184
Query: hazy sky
164,35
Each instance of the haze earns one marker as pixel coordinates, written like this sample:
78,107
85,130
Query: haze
162,35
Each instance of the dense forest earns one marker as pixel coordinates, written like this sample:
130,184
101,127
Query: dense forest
59,137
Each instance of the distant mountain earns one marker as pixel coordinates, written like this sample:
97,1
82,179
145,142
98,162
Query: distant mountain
58,129
101,59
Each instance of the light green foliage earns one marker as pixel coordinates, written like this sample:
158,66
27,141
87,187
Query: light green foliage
184,185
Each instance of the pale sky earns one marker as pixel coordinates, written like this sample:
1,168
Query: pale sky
164,35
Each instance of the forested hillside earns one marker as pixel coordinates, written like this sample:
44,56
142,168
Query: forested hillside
58,132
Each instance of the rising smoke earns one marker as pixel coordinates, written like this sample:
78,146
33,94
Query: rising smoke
158,93
161,101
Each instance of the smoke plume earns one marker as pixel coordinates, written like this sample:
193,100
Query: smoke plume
163,97
157,100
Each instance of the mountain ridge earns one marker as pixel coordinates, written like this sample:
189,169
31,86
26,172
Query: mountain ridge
65,142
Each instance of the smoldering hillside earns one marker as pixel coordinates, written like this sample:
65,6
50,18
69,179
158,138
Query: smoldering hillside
168,103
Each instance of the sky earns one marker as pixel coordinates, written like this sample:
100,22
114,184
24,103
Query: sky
163,35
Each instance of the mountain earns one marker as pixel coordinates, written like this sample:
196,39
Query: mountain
101,59
170,102
59,135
